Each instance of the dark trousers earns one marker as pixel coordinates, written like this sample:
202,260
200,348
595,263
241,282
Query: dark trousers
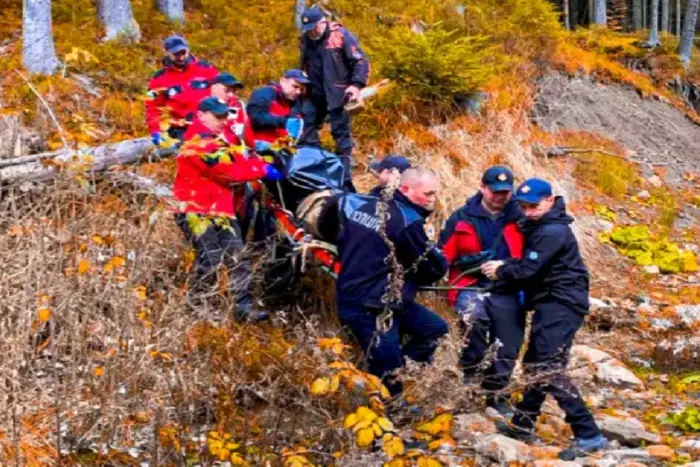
493,317
554,327
384,352
315,110
219,246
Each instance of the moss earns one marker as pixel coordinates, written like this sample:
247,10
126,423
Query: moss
611,175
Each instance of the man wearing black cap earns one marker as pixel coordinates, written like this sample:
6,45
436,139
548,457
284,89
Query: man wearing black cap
225,87
208,190
179,86
555,281
338,69
486,228
383,169
274,111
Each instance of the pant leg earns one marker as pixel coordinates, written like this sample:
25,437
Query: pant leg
382,350
240,270
470,307
507,325
424,328
208,249
553,330
314,112
341,131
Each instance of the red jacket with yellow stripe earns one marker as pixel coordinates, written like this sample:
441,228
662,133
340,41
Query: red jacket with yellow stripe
210,173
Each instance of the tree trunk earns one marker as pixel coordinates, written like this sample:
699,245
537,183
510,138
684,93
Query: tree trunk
38,51
118,19
654,29
599,13
299,8
173,9
665,22
565,14
637,14
645,18
678,17
685,49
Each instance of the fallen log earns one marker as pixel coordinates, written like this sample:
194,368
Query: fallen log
41,167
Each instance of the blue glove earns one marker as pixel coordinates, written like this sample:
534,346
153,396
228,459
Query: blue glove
272,174
521,297
262,146
294,127
155,137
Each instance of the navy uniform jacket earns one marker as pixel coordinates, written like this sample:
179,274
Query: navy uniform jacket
364,274
334,62
552,267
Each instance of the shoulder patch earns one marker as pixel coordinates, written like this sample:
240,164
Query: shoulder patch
532,255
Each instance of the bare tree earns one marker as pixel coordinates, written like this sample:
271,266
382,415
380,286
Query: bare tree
665,16
599,12
685,48
678,17
299,8
118,19
38,51
654,29
173,9
637,14
565,14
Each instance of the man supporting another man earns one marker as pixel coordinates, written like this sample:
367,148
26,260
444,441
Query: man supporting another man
486,228
555,281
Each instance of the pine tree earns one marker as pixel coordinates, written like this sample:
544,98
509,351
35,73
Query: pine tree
118,19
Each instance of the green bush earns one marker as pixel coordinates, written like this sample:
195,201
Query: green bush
688,420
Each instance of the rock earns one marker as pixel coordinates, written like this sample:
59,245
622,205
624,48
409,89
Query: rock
467,424
607,368
644,194
661,451
597,303
677,354
655,181
647,309
689,314
628,431
556,463
619,457
502,449
691,445
544,453
652,269
692,464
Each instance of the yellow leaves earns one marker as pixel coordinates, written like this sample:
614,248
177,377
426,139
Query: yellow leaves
83,266
296,457
427,461
365,414
442,424
393,445
77,55
140,292
367,425
334,345
320,387
438,443
114,262
224,449
43,314
98,371
605,213
365,437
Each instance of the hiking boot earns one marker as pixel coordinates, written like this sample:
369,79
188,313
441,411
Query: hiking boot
583,447
515,432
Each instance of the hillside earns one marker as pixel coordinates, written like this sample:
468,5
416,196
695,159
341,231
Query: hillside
104,364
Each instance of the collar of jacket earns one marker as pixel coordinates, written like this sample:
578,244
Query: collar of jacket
474,208
556,215
401,198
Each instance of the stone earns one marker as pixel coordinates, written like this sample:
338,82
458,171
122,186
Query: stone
556,463
689,314
501,448
619,457
607,369
661,451
655,181
652,269
544,453
469,423
597,303
628,431
691,445
644,194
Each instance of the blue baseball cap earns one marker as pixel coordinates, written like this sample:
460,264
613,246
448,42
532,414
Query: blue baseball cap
213,105
227,79
298,75
175,44
392,161
533,191
498,178
310,18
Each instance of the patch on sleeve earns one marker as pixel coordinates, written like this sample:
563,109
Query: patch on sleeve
532,255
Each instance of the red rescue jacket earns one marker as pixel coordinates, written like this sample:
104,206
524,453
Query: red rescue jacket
178,90
461,238
268,110
208,169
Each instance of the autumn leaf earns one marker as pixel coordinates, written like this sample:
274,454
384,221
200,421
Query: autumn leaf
426,461
440,424
397,462
351,420
98,371
83,266
365,413
44,314
365,437
320,386
392,445
140,292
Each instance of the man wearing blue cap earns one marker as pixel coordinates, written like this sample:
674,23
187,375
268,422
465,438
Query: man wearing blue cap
486,228
274,111
178,87
384,168
226,87
338,69
555,281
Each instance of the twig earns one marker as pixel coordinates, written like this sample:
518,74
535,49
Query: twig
48,109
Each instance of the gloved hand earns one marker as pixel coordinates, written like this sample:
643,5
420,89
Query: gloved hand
156,138
294,127
521,297
272,174
261,146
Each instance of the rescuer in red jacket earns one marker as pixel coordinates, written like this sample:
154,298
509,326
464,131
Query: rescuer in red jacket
274,111
208,186
226,87
486,228
178,87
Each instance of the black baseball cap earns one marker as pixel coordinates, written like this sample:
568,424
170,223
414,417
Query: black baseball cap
213,105
498,178
310,18
392,161
298,75
175,44
227,79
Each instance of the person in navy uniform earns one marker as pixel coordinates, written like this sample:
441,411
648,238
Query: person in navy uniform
364,276
555,281
383,170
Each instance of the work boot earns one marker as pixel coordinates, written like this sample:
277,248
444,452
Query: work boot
515,432
583,447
